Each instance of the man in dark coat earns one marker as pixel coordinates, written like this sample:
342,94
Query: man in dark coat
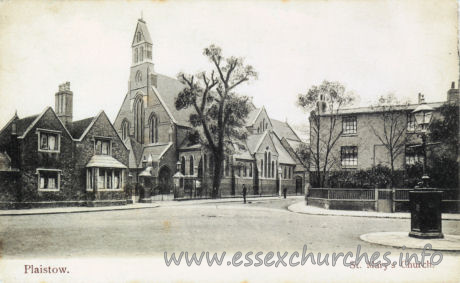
244,192
285,192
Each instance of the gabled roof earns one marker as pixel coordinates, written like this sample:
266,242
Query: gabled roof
15,116
283,130
168,89
77,128
24,123
136,149
142,27
253,140
28,125
283,155
155,151
252,116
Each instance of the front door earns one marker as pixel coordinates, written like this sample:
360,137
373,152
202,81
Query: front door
298,185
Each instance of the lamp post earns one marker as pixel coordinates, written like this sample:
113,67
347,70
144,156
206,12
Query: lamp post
423,115
425,202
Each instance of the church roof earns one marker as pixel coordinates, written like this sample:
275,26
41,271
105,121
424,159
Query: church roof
155,151
283,155
283,130
168,89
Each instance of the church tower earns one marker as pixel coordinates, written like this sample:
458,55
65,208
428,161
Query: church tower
142,77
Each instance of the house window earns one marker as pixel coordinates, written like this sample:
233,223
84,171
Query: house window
49,179
285,173
109,179
141,54
48,141
273,169
414,155
411,123
349,156
102,147
349,125
250,169
136,55
139,37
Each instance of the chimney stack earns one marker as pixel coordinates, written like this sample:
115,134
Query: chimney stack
452,94
64,103
421,98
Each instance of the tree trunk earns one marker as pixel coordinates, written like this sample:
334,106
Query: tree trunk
217,177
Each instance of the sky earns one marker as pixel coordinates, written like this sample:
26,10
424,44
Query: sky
372,47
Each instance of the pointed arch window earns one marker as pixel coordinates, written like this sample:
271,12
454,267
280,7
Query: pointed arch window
192,168
138,76
265,163
182,165
141,54
139,36
273,169
153,128
268,164
124,129
139,119
136,55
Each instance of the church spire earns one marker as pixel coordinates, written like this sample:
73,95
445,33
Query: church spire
142,43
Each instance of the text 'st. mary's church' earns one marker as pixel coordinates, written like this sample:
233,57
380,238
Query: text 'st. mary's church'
156,135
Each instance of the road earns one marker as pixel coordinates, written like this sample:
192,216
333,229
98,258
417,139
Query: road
257,226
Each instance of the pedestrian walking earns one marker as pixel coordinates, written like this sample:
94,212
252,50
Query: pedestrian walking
244,193
284,192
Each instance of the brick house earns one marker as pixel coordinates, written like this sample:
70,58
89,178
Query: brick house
358,146
155,133
50,160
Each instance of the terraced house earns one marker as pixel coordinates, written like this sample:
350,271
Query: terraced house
50,160
156,135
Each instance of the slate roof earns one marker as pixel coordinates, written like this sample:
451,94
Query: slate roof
155,151
24,123
252,116
252,141
283,155
145,31
136,149
368,109
105,161
77,128
169,88
283,130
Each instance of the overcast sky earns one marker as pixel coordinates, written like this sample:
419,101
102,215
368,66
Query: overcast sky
372,47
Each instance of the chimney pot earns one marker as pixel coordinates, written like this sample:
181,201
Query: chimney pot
453,85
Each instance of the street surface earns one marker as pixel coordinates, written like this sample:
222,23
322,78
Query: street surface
263,225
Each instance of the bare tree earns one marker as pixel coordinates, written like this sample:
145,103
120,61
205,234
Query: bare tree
324,103
219,113
391,131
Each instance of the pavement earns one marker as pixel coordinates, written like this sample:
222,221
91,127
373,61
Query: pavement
58,210
300,207
402,239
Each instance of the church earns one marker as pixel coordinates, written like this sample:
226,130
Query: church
166,166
